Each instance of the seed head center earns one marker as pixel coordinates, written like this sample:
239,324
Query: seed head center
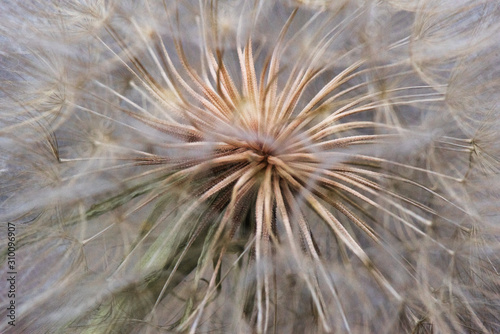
260,150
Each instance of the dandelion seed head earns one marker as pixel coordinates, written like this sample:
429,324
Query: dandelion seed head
252,166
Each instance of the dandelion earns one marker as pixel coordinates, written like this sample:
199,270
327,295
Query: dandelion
251,166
